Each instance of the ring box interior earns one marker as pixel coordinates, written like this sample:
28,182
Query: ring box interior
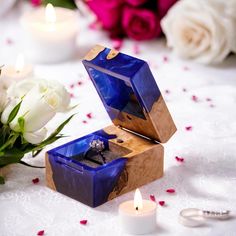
133,151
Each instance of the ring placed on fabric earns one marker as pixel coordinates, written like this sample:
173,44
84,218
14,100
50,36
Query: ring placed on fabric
193,217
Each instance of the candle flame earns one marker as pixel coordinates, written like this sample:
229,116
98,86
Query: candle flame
138,201
20,62
50,14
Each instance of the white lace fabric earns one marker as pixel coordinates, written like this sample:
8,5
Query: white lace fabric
205,180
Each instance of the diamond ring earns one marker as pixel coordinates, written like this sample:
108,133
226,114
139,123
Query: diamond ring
96,146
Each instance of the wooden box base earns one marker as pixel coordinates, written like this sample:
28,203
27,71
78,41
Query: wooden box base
144,163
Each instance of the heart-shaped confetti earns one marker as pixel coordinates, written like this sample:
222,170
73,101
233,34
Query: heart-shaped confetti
161,203
170,190
152,198
188,128
40,233
83,222
179,159
35,181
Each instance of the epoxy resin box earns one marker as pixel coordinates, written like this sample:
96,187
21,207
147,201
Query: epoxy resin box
105,164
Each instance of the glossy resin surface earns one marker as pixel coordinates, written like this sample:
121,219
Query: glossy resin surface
129,93
77,180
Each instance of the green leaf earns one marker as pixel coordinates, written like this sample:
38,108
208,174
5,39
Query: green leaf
13,155
21,122
5,133
14,112
2,181
10,142
61,3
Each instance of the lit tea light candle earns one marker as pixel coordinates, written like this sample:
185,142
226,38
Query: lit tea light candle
50,34
138,216
16,73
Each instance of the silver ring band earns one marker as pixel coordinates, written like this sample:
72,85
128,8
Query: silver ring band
193,217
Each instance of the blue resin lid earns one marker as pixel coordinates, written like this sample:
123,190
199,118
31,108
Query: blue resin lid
129,93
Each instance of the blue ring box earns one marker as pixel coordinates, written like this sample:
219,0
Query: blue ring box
141,120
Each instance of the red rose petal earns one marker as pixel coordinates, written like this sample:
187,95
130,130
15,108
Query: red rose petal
89,115
184,90
72,95
40,233
167,91
195,98
72,86
83,222
179,159
136,49
152,198
117,43
188,128
35,181
165,59
84,121
161,203
9,41
186,68
79,83
170,190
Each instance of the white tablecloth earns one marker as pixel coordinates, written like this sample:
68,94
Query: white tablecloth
206,179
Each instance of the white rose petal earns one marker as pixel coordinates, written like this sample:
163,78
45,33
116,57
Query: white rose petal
35,110
202,30
46,88
3,99
9,107
18,90
36,137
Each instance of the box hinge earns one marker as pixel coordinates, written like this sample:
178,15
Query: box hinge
140,135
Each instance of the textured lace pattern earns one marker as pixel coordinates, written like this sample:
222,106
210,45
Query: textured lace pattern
206,179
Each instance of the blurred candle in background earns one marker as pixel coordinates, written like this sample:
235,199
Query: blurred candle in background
17,72
50,34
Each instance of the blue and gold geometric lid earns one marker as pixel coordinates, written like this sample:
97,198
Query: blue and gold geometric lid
129,93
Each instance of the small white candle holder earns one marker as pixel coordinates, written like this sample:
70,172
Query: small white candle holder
138,216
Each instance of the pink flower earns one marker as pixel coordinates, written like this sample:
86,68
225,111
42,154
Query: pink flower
36,3
163,6
140,24
136,2
108,12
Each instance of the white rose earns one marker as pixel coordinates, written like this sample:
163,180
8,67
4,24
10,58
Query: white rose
47,88
36,110
41,100
203,30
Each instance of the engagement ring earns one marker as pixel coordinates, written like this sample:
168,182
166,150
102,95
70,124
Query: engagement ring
96,146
